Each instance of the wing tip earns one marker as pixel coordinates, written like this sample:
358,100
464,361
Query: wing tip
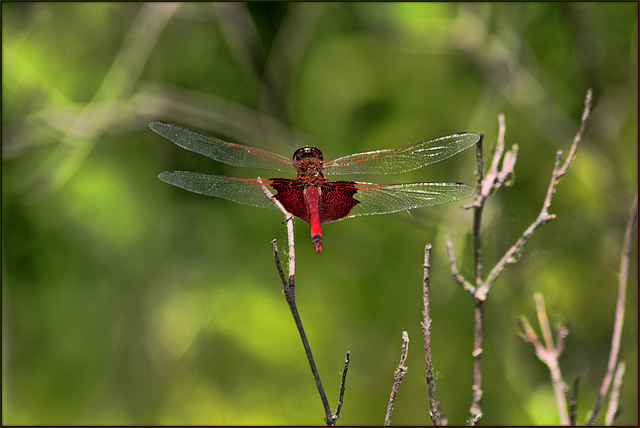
475,137
158,126
164,175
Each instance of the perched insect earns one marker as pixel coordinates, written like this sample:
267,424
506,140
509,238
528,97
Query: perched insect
310,196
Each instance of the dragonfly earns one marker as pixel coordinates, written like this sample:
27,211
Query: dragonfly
311,196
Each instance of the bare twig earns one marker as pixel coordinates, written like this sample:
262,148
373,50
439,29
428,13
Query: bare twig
401,370
572,402
613,411
495,179
274,248
478,300
476,409
619,316
487,185
290,296
434,413
549,353
543,217
457,278
336,415
476,388
477,219
498,177
290,231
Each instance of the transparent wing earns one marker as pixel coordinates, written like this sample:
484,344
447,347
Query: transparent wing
240,190
229,153
391,198
394,161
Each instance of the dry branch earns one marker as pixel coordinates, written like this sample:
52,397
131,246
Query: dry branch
548,353
336,415
495,178
434,412
401,370
290,296
619,315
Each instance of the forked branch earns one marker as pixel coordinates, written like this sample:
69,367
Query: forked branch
548,353
502,166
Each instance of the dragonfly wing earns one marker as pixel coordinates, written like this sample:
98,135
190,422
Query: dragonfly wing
391,198
394,161
240,190
222,151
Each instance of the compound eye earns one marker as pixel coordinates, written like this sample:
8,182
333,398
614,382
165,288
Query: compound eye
307,153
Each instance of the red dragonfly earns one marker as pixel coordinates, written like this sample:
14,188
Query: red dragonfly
310,196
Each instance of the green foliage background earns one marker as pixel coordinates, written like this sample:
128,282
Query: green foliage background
128,301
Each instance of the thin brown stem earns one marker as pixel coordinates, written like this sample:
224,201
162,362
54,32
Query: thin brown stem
619,315
290,296
511,256
549,353
586,111
614,410
475,410
543,321
336,415
290,231
492,175
457,278
401,370
274,248
572,402
434,413
476,388
477,218
495,178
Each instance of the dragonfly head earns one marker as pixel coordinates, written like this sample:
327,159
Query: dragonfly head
307,153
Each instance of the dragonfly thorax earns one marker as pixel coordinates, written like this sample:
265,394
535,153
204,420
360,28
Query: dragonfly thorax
308,162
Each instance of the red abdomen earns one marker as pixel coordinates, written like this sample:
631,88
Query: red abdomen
330,201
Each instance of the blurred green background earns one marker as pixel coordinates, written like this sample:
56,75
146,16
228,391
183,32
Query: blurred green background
129,301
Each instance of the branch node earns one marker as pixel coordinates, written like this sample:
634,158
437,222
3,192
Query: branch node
549,354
